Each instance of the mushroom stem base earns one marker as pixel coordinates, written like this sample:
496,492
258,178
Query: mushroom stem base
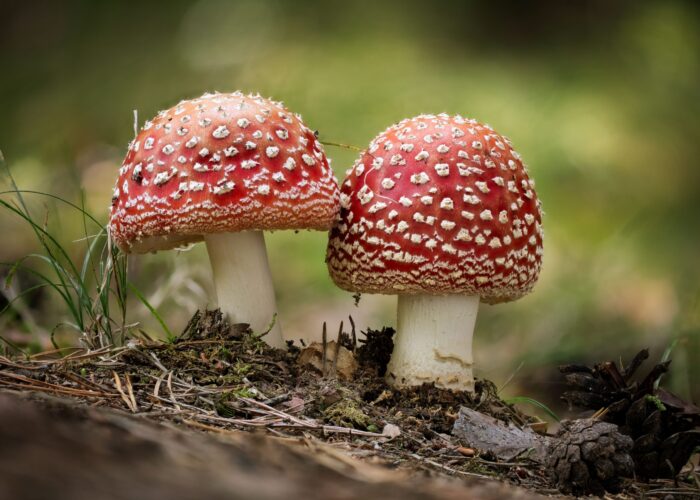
243,282
434,341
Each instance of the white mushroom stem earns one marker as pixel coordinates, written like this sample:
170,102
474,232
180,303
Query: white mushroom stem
243,282
433,342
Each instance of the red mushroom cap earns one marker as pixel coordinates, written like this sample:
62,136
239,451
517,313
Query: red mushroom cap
221,163
439,205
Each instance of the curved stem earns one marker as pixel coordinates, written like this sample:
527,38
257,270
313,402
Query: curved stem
243,282
434,341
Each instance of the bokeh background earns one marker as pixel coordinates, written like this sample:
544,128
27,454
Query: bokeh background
601,98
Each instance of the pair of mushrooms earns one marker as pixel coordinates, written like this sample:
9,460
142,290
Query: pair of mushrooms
439,210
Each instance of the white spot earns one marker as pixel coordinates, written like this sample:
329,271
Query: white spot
388,183
423,155
443,148
264,189
480,240
447,204
426,200
257,134
428,138
407,147
365,195
393,214
377,207
272,151
495,243
486,215
447,248
481,186
499,181
250,145
290,163
406,202
220,132
196,186
477,145
203,152
397,160
163,177
463,235
148,144
282,133
401,226
467,215
344,201
204,122
472,199
447,224
192,142
308,159
248,164
420,178
503,217
442,169
243,122
168,149
225,187
416,238
230,151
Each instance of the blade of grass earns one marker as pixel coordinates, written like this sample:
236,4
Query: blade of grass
155,314
533,402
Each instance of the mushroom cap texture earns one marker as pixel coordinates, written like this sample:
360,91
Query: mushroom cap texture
439,205
221,163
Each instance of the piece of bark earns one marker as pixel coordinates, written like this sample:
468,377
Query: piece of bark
505,441
59,449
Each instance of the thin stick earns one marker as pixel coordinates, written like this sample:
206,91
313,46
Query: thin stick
323,358
341,145
354,337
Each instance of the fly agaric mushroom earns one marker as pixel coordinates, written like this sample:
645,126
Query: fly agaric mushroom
222,168
440,211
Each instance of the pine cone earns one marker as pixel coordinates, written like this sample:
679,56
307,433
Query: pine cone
589,457
663,426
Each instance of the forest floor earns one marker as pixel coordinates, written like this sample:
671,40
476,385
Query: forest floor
217,413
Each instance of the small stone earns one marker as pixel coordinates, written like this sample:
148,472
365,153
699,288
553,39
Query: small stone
391,431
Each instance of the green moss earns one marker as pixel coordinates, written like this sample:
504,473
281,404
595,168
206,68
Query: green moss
347,413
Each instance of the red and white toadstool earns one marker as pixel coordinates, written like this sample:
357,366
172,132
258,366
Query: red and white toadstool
222,168
439,210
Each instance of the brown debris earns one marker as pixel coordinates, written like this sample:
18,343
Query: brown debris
589,457
337,361
665,429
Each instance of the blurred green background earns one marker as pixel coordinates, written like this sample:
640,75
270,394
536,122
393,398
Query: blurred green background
601,98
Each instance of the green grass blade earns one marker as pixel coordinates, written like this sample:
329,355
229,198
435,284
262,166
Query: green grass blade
153,311
533,402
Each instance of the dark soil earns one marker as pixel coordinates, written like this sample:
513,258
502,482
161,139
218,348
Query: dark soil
217,378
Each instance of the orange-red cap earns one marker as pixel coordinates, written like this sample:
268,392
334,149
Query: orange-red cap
439,205
221,163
